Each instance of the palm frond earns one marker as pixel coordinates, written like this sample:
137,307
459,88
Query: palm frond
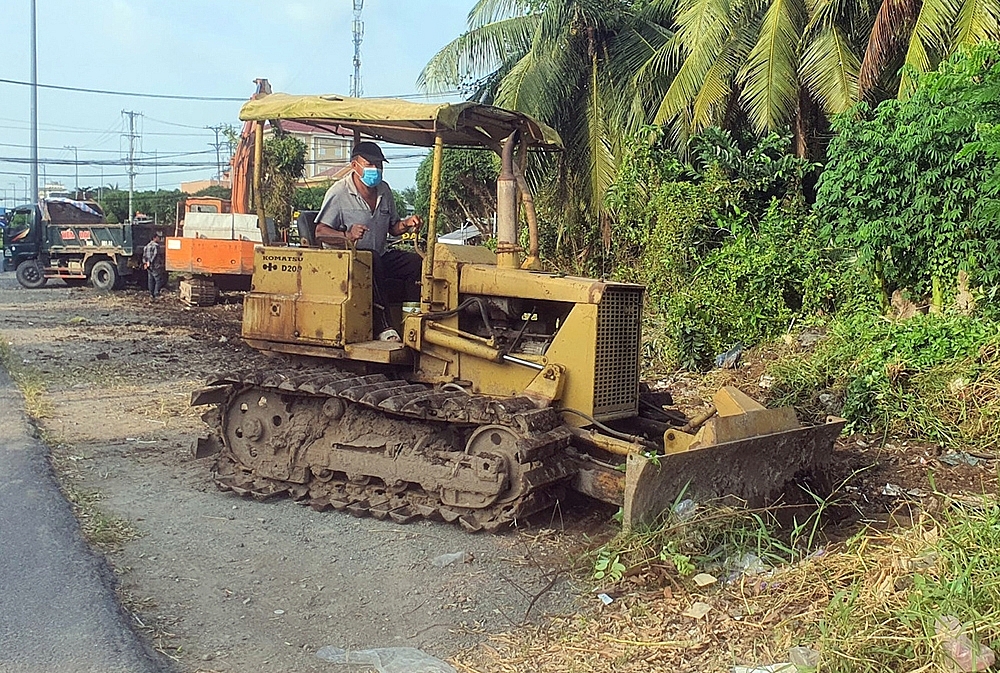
770,75
893,23
703,28
929,40
485,12
477,53
717,86
978,20
829,70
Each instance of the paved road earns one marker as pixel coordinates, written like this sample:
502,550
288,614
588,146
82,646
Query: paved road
58,609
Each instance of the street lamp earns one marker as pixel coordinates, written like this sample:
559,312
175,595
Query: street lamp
76,164
26,199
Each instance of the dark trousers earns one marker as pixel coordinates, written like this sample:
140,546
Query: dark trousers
395,279
155,280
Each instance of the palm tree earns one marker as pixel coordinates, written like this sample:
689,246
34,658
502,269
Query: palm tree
567,62
770,63
919,35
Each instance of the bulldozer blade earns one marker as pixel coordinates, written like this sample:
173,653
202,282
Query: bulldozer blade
755,469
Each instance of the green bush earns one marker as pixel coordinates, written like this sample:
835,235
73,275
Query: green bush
909,185
932,377
725,245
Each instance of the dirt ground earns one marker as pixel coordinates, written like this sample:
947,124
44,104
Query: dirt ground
218,583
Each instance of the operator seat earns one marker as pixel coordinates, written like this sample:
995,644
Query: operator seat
306,223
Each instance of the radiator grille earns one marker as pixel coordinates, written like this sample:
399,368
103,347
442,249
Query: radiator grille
616,370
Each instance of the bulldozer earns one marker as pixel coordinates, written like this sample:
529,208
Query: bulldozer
511,385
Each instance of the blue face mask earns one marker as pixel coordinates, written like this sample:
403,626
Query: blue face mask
371,176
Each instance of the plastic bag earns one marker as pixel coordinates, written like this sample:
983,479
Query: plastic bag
959,650
387,659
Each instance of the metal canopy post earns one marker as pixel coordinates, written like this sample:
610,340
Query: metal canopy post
427,286
258,197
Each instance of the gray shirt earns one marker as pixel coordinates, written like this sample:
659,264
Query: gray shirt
344,206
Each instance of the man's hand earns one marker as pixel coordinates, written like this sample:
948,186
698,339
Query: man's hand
355,232
412,223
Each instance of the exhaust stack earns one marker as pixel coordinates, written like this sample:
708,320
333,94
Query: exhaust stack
508,251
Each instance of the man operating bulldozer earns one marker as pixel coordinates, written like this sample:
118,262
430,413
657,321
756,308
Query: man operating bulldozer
360,208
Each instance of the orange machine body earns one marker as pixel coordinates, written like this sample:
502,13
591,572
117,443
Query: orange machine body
210,256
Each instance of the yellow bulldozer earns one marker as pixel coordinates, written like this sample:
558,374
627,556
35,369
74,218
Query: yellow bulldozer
511,385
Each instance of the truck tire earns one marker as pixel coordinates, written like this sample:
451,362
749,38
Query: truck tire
104,276
30,274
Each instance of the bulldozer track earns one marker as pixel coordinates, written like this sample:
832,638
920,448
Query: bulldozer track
514,461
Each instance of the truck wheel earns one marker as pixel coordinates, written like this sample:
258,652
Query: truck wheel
30,275
104,276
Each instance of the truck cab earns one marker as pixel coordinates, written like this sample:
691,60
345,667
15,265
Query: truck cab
20,235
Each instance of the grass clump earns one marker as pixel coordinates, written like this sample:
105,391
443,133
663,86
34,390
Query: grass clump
934,376
881,594
714,538
28,379
103,530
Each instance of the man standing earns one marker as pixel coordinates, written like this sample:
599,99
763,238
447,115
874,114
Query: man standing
154,261
360,208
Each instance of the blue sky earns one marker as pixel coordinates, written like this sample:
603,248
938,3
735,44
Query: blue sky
191,47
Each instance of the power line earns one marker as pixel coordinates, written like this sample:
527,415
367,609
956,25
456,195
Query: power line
133,94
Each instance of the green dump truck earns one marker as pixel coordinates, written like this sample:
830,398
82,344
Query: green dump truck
72,241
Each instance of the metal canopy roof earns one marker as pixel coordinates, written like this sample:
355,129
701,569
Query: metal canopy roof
404,122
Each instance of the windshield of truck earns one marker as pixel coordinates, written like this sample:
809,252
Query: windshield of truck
18,226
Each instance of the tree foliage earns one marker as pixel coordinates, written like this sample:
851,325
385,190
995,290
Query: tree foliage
468,188
160,205
910,184
283,164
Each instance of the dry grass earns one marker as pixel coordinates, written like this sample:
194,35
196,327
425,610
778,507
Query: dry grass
867,604
28,379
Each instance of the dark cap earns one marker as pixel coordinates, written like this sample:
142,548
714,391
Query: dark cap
368,150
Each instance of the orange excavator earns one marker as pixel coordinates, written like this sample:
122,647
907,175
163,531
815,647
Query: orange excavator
215,248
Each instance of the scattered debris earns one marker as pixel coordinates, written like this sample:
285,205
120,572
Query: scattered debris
786,667
956,458
279,612
704,579
731,358
606,599
387,659
961,654
892,490
448,559
697,610
765,382
685,509
803,657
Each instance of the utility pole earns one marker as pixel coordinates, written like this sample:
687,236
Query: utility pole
218,150
76,164
34,108
359,32
132,136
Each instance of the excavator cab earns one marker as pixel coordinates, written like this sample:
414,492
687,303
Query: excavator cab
510,385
